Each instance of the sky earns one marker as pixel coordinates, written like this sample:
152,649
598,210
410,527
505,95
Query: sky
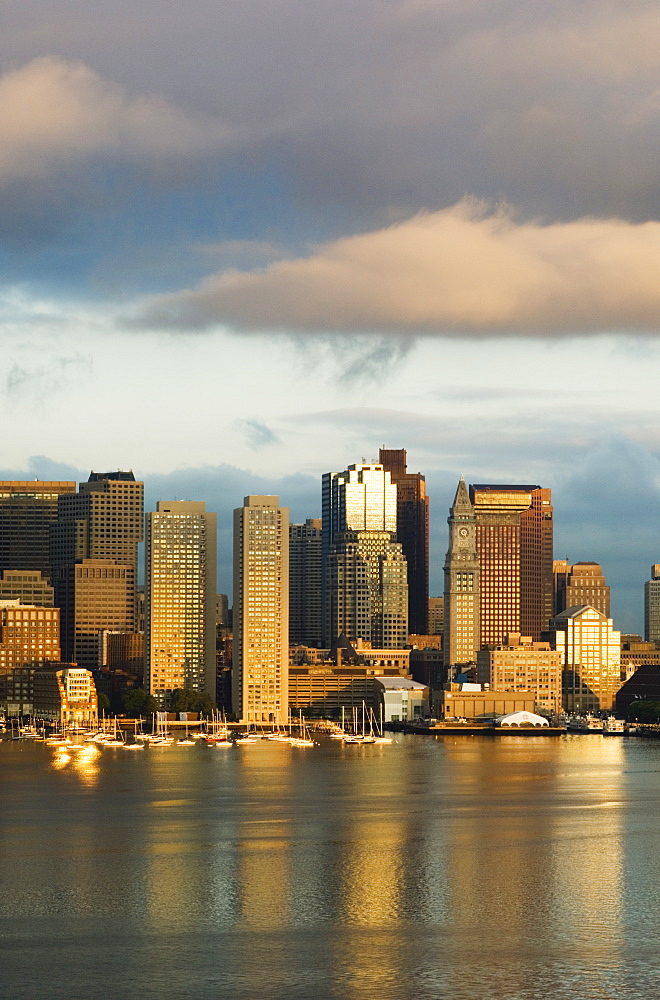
245,244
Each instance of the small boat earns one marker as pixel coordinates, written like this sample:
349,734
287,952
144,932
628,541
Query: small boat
613,727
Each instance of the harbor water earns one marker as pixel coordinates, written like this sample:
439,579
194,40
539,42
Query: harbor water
451,867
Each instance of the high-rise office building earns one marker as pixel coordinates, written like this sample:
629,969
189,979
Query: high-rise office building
462,601
652,605
305,583
27,509
412,532
363,498
514,544
581,583
261,610
102,522
367,589
591,659
180,599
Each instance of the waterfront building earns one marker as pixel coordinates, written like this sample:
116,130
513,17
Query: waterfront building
29,586
412,532
261,610
514,544
401,699
29,635
305,583
475,703
581,583
65,694
462,600
97,528
522,666
27,510
180,599
652,605
591,659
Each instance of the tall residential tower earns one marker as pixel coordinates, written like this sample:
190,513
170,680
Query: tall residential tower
261,611
180,599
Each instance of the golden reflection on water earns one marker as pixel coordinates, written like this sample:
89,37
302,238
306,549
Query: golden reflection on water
522,846
83,761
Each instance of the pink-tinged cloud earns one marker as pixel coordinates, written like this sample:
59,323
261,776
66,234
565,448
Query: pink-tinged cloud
457,271
54,113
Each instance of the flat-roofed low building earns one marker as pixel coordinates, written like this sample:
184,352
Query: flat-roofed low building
471,701
523,666
65,694
401,699
16,691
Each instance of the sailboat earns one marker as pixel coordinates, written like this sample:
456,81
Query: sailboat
378,737
304,740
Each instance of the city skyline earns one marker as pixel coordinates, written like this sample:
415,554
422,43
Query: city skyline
271,251
590,522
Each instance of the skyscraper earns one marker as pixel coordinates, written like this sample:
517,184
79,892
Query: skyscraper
180,599
514,544
305,583
367,589
102,522
652,605
462,603
412,531
591,659
27,509
361,499
581,583
261,610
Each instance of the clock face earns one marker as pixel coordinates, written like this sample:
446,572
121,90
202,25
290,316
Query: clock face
463,532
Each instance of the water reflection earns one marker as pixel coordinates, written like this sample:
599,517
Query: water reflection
80,759
515,869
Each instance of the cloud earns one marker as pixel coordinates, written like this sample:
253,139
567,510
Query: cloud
256,433
457,271
55,112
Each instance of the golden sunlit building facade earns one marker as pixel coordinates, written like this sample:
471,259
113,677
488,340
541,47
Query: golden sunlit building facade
591,659
462,601
261,610
180,599
514,536
521,665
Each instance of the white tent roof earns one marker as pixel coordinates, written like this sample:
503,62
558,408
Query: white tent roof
523,719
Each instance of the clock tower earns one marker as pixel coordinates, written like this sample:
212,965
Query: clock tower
461,637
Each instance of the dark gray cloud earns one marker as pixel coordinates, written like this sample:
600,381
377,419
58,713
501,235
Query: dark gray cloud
358,114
